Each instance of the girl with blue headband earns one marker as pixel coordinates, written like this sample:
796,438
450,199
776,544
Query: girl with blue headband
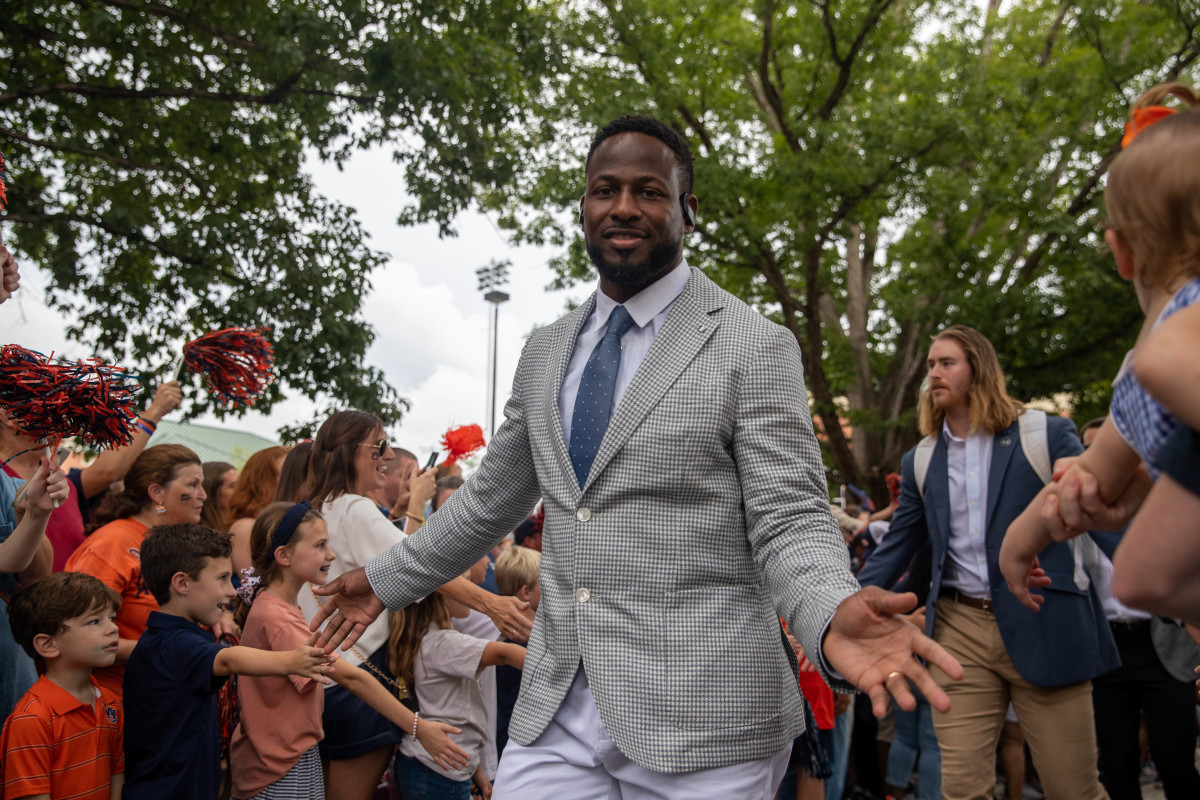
274,752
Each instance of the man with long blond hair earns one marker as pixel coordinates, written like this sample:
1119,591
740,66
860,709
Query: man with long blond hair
977,480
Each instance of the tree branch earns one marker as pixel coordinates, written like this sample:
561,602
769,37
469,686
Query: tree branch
186,19
134,237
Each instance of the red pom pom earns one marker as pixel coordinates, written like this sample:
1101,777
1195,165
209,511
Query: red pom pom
236,363
462,442
893,486
50,400
3,188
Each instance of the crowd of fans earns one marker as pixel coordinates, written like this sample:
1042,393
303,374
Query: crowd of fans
156,642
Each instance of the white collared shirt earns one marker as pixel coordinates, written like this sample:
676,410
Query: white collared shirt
649,309
968,462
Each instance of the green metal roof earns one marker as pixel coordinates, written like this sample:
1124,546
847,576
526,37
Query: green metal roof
210,442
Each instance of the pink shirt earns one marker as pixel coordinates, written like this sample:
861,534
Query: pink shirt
64,529
281,717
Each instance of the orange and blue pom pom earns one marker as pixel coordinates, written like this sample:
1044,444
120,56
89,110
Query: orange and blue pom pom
51,400
235,362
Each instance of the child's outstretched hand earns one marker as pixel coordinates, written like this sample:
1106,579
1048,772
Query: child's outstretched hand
1022,573
434,737
311,662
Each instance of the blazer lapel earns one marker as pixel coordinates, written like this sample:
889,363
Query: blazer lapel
1003,445
685,331
937,488
563,347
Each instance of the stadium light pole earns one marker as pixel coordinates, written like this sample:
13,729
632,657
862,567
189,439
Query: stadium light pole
491,278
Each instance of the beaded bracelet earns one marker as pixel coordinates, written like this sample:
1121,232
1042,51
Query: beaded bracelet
416,719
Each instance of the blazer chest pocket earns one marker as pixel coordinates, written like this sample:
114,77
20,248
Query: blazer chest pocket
689,412
727,666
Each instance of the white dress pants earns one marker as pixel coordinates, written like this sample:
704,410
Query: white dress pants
575,758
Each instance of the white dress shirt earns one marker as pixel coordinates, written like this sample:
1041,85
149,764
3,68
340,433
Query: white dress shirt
968,462
649,309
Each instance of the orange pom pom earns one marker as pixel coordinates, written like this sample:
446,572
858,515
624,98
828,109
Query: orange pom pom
462,442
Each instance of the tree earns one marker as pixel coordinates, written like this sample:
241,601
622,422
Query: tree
156,161
871,170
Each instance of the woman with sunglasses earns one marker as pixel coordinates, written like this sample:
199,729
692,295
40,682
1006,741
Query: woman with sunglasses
349,458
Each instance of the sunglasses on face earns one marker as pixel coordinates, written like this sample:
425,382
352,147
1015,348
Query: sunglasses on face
379,447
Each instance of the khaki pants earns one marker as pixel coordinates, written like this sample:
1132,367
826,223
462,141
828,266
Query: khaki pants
1057,722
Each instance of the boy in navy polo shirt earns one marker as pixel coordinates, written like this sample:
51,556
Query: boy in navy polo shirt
172,678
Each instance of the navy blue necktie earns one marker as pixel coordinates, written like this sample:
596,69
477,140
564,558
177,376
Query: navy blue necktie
594,403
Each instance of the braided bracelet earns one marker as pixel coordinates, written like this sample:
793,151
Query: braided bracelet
416,719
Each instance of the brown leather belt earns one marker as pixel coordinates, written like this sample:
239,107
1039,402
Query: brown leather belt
982,603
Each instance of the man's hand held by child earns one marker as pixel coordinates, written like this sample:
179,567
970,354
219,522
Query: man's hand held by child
351,606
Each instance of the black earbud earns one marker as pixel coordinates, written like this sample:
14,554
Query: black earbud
688,217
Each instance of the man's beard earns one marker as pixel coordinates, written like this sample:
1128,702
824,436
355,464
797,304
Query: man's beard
633,277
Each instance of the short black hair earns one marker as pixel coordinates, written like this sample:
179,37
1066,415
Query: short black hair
1094,423
184,547
639,123
453,482
44,606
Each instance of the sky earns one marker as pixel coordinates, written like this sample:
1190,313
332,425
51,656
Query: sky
431,322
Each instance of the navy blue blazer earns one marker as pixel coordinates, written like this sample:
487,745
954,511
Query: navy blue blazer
1069,640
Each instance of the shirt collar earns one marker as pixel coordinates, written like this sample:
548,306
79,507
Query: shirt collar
651,301
950,437
61,701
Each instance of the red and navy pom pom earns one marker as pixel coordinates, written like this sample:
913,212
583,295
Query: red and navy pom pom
462,442
236,362
50,400
3,187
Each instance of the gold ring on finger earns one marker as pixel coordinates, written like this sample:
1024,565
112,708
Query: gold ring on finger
894,674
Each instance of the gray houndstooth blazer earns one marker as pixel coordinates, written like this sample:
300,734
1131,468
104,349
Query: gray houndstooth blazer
704,517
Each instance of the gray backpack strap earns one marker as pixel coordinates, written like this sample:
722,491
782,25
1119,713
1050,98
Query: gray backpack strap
1035,446
1034,442
921,458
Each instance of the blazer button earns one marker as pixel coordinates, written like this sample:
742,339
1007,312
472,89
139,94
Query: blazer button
583,514
583,595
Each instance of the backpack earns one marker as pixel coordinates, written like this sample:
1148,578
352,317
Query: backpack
1036,448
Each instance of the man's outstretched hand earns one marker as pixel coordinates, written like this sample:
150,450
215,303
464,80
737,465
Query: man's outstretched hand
868,644
351,607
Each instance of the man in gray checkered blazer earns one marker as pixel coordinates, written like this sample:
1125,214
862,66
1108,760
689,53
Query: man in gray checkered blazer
686,510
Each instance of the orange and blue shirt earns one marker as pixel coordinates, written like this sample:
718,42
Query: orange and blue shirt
54,744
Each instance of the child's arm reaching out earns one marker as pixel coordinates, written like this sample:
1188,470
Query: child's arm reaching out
306,661
1111,463
506,654
433,736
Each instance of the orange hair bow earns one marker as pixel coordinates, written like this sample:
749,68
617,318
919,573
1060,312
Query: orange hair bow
1142,118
